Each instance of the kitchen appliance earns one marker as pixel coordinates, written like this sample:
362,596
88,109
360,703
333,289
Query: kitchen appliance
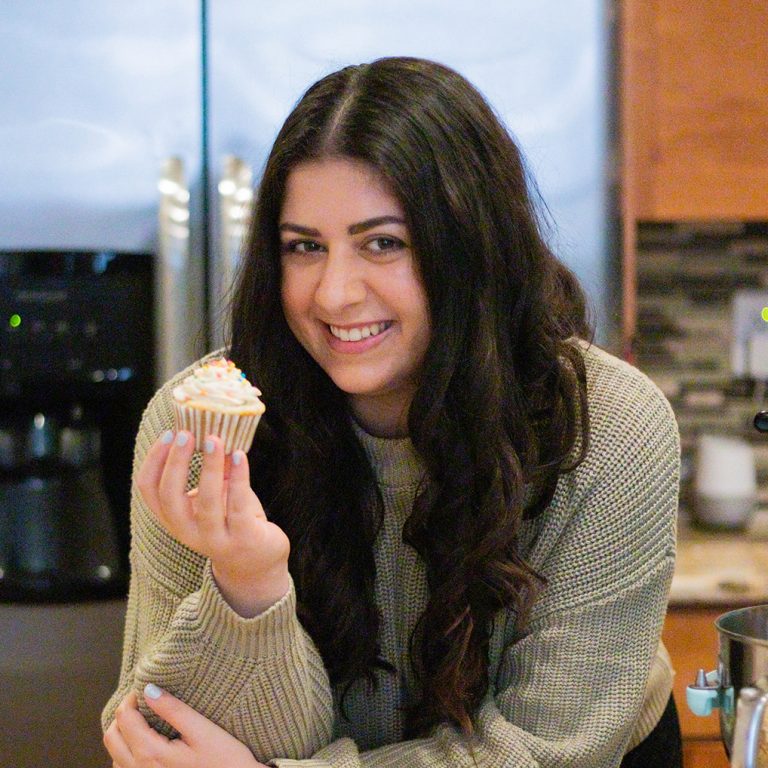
76,371
725,485
739,686
58,538
543,64
141,128
100,102
749,334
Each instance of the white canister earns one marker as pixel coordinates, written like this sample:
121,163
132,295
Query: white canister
725,486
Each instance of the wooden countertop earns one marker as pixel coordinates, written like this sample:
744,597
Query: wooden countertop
721,568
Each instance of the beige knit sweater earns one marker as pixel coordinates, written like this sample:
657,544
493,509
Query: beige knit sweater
585,682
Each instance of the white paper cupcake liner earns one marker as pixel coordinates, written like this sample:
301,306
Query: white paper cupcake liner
235,429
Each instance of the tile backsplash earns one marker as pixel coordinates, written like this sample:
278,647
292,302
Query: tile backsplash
687,277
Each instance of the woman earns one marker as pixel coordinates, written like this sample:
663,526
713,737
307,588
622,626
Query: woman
470,511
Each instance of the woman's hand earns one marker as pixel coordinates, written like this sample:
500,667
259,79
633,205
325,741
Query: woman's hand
221,519
132,743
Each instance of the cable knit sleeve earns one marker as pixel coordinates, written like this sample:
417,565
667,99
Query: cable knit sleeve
261,679
569,690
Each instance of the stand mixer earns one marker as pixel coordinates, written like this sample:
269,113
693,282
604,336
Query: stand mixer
739,686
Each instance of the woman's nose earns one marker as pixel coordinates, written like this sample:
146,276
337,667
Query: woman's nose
341,282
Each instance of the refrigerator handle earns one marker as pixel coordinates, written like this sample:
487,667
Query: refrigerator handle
174,276
235,197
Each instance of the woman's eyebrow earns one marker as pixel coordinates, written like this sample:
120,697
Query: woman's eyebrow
287,226
353,229
356,229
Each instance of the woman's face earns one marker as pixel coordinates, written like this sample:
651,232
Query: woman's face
350,291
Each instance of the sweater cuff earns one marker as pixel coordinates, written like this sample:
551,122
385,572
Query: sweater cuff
288,762
261,637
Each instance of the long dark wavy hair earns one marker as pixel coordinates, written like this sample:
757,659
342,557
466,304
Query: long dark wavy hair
501,408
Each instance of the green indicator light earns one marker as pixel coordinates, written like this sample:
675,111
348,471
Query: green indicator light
764,314
15,321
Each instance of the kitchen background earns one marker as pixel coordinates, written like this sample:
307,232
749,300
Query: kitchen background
131,136
701,288
693,175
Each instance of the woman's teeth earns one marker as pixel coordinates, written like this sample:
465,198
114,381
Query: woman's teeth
361,332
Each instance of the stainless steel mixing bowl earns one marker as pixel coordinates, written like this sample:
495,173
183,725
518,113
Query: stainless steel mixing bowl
739,686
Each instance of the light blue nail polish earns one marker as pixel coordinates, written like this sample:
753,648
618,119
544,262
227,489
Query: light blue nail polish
182,438
208,446
151,691
167,437
237,457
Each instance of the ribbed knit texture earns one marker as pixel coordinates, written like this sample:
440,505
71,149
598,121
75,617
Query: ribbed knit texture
586,681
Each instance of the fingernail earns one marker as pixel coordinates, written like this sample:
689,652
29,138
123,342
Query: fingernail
208,446
237,457
151,691
167,437
182,438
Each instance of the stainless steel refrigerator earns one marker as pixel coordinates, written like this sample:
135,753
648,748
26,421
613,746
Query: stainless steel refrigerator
143,126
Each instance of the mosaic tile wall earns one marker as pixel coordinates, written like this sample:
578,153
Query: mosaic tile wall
688,277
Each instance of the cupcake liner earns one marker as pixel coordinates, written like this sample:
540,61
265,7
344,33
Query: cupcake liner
235,429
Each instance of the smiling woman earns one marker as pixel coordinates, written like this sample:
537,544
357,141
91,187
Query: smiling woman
422,560
351,294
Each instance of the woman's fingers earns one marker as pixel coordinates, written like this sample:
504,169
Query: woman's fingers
210,488
221,506
192,726
144,744
172,487
117,747
208,504
126,733
241,500
201,742
151,470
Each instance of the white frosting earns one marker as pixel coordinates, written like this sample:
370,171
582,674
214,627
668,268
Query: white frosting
219,384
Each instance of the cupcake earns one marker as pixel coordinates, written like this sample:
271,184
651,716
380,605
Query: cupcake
217,399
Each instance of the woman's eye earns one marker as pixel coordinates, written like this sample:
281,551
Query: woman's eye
301,246
381,244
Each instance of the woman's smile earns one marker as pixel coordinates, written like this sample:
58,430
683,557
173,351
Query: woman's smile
358,338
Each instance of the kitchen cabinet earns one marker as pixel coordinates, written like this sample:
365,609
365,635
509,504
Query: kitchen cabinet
704,754
691,639
693,114
695,108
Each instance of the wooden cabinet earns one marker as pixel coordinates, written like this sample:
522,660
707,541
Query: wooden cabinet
693,116
691,639
695,108
704,754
